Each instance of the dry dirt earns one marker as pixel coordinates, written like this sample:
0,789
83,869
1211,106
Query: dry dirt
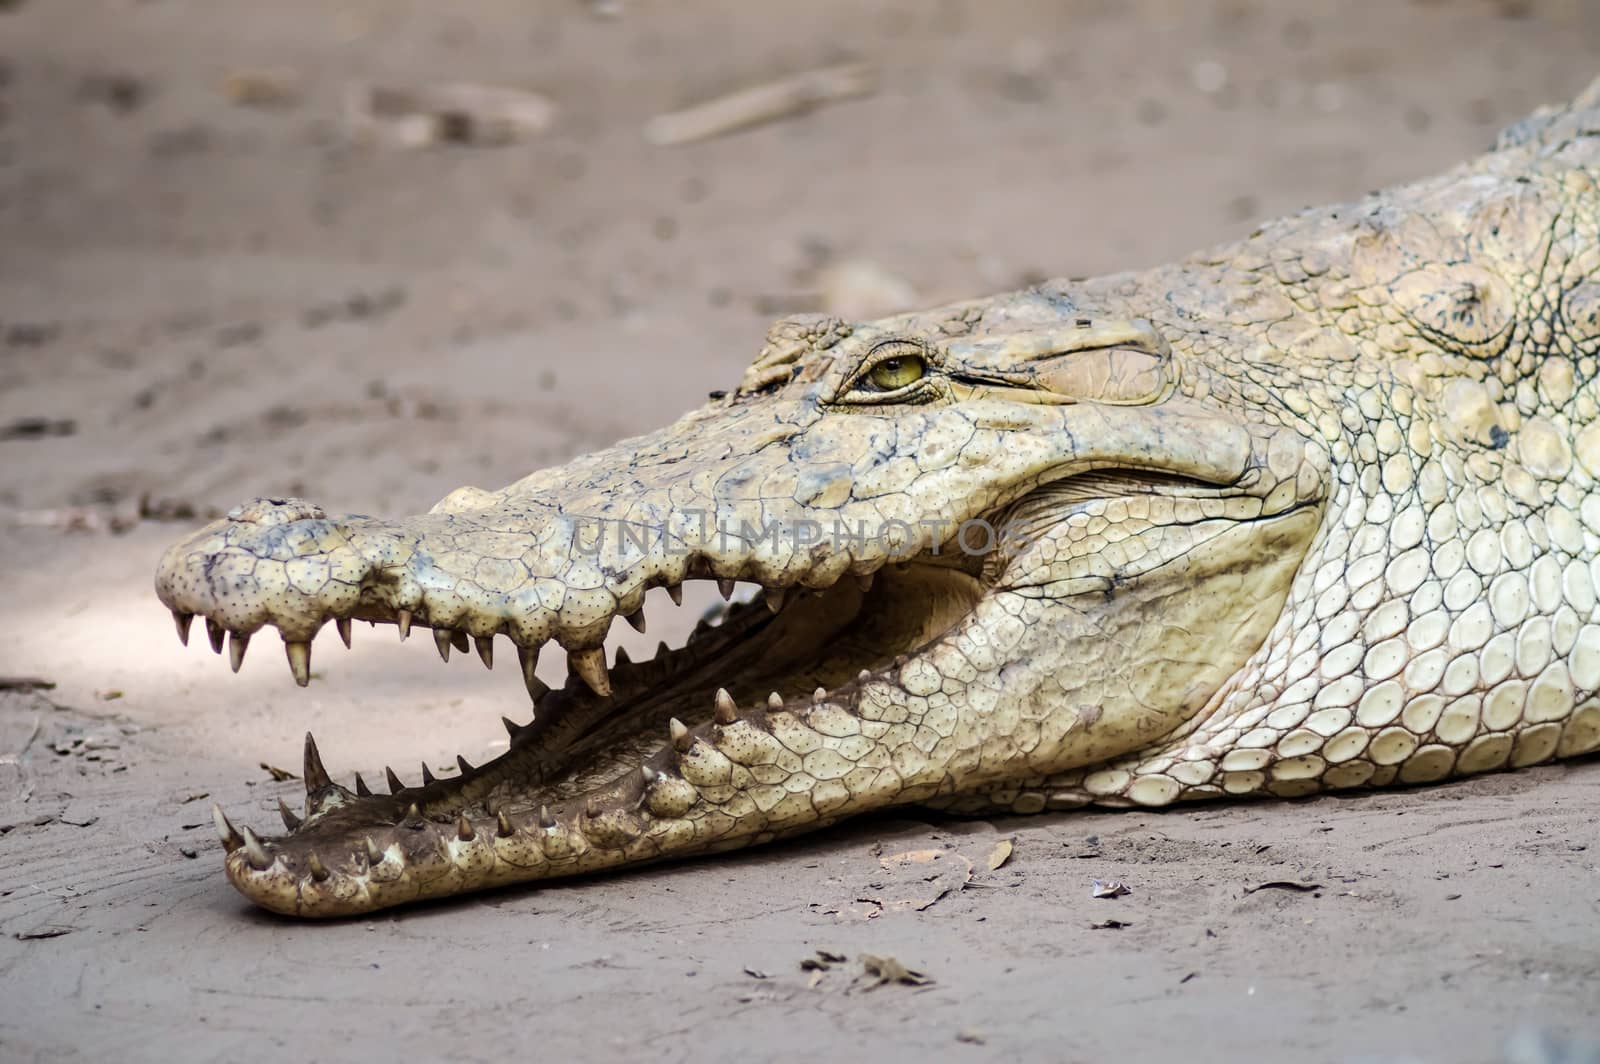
203,301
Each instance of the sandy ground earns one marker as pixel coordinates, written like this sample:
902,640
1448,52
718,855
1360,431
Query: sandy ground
203,301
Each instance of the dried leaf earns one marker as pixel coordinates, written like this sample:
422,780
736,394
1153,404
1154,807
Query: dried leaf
756,973
878,971
278,774
1000,854
1108,888
917,879
823,961
1109,925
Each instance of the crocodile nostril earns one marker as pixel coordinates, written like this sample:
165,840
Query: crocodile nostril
275,512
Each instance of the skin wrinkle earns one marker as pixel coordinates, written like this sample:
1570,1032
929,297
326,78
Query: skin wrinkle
1351,541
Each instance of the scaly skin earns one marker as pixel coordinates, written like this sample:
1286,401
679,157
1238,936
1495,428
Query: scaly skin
1313,511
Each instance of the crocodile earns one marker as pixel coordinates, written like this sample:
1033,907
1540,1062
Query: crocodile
1313,511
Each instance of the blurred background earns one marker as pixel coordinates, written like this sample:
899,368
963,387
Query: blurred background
244,251
366,251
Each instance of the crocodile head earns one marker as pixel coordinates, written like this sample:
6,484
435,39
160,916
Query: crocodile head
1055,513
1196,531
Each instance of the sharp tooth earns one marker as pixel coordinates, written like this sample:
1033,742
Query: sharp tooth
362,790
230,838
182,620
485,645
725,588
775,597
864,581
374,855
513,729
290,821
681,739
427,776
774,701
319,871
647,774
414,812
662,650
402,620
674,592
591,808
343,626
299,661
395,786
727,711
529,658
502,825
458,639
636,618
622,657
464,830
863,676
238,642
819,696
591,666
315,775
464,765
441,639
545,819
215,632
260,859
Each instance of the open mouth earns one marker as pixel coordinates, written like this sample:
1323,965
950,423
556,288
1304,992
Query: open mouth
613,761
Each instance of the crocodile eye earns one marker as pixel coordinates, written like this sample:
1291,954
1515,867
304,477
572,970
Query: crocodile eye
897,372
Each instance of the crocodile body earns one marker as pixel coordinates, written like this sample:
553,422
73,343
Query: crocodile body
1314,511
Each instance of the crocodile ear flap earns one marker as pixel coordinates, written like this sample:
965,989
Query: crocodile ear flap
1122,376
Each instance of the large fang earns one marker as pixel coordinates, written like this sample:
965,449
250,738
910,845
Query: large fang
679,731
636,618
485,645
231,839
362,790
260,859
591,665
427,775
529,658
464,830
342,624
290,821
374,855
441,639
674,592
402,620
311,770
395,786
183,620
319,871
238,642
725,589
215,632
727,711
299,661
775,597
